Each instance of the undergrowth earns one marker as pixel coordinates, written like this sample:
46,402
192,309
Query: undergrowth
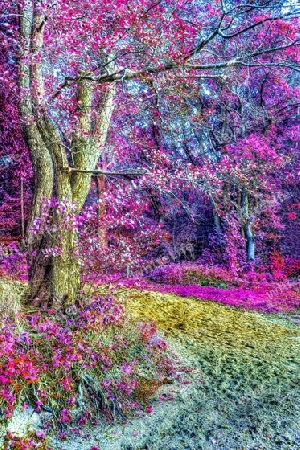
76,369
192,273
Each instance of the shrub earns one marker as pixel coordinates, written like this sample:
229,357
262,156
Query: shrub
32,441
80,366
292,266
277,266
169,274
13,263
188,273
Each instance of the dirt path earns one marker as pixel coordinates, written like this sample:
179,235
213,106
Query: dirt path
242,395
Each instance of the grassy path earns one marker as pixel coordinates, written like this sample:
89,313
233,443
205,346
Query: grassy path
243,394
249,399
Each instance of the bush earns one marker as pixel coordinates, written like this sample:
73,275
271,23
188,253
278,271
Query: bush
13,263
32,441
78,367
187,273
292,266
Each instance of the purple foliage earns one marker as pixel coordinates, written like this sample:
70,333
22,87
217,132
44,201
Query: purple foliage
265,297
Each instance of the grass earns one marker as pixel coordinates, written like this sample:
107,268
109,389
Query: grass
10,296
249,363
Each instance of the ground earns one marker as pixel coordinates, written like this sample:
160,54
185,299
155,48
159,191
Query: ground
241,395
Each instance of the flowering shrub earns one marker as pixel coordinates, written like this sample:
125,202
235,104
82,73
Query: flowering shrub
32,441
117,233
170,273
13,262
292,266
277,266
188,273
282,267
79,365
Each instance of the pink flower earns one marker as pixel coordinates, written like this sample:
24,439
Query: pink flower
62,435
40,434
4,380
126,368
65,415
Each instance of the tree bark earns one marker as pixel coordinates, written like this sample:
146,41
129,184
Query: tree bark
250,246
216,217
101,211
55,280
250,243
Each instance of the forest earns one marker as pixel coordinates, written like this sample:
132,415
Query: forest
149,224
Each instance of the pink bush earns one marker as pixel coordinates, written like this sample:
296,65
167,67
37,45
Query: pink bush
13,263
191,273
292,266
90,350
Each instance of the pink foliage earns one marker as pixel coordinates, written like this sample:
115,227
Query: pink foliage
71,346
264,297
189,273
13,263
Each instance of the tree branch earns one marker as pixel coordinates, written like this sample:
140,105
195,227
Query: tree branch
105,172
129,75
250,27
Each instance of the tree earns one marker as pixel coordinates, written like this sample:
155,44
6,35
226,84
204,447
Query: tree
73,61
239,145
15,167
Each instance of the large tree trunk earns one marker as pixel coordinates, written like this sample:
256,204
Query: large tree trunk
55,280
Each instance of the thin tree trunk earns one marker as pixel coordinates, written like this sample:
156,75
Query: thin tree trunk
101,211
250,245
247,229
22,209
216,217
